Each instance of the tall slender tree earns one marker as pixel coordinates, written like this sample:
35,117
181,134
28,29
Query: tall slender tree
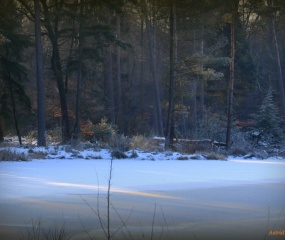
110,79
77,131
153,68
119,77
278,60
40,84
52,24
232,73
172,73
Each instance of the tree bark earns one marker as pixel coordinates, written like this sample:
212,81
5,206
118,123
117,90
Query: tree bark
53,34
1,130
14,110
194,104
172,72
76,132
231,82
202,83
119,80
40,83
280,76
110,82
142,76
153,70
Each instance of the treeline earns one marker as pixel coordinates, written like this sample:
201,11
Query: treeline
174,68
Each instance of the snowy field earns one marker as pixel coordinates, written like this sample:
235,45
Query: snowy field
159,196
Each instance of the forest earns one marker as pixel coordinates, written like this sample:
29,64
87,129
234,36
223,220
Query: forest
179,69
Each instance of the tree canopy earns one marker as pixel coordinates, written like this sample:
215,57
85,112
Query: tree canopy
135,62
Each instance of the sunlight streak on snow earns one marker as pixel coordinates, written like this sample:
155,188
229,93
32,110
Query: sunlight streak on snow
257,161
117,190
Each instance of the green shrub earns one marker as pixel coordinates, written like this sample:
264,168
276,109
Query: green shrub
268,121
104,131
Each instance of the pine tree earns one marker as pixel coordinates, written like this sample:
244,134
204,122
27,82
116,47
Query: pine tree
268,121
13,72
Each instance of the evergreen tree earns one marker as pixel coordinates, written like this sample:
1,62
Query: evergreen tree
268,121
12,70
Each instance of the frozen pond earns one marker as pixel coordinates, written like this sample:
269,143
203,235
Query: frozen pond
162,199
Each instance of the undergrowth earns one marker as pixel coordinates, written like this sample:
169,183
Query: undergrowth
12,155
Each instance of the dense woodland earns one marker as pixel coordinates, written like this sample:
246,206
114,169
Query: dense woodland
174,68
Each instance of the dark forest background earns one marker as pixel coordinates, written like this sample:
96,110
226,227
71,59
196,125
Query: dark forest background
174,68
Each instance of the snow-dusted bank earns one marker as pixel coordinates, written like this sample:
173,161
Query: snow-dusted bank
161,195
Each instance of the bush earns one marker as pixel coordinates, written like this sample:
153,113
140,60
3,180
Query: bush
8,155
54,135
87,131
104,131
215,156
145,143
37,154
118,154
33,135
213,126
120,142
182,158
193,146
241,143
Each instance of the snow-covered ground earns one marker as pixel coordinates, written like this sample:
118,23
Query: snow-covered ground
178,199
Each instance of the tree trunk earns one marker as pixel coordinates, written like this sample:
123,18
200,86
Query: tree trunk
1,130
76,132
40,84
57,70
202,83
153,70
280,76
173,58
56,66
119,80
66,82
142,75
110,82
231,82
194,102
14,111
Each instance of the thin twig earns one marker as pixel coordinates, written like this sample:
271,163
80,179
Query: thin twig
84,228
153,219
124,222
